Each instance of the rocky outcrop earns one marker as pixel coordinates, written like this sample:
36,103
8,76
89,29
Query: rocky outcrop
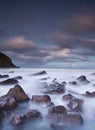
9,82
5,61
41,98
40,73
18,93
7,102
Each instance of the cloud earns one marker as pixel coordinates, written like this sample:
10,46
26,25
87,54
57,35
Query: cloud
80,21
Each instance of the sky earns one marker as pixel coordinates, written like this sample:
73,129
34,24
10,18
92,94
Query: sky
48,33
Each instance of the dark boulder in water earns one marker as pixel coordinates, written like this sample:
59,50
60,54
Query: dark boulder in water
58,109
66,119
83,79
5,61
18,77
41,98
33,114
4,76
73,83
90,94
18,93
7,102
9,82
16,120
54,88
40,73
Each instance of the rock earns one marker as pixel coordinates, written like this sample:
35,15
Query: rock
67,97
16,120
88,94
75,106
73,83
5,61
70,119
41,99
58,109
7,102
33,114
40,73
54,88
83,79
9,82
4,76
18,77
18,93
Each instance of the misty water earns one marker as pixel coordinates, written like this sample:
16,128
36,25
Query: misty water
33,85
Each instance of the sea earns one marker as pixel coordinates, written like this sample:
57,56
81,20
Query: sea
33,85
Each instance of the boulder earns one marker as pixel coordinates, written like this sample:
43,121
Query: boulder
32,114
7,102
16,120
70,119
73,83
4,76
58,109
41,98
18,77
40,73
9,82
54,88
5,61
18,93
90,94
83,79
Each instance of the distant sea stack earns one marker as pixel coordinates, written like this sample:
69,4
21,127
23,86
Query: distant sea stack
6,62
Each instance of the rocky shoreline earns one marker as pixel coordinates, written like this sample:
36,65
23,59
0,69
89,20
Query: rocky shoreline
58,116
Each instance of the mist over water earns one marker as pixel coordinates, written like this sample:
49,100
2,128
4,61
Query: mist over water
33,85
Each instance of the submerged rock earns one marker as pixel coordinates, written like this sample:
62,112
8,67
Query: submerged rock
18,93
54,88
58,109
16,120
90,94
32,114
7,102
41,98
66,119
73,83
83,79
9,82
18,77
4,76
40,73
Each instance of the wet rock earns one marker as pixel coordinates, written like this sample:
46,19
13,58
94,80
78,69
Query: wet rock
40,73
73,83
58,109
18,93
18,77
4,76
16,120
75,106
70,119
63,83
88,94
7,102
54,88
69,97
83,79
5,61
32,114
9,82
41,99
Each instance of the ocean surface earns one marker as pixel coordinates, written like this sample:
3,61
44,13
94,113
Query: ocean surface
33,85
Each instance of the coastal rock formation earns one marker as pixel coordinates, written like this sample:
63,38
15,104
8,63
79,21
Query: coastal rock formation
9,82
18,93
7,102
5,61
